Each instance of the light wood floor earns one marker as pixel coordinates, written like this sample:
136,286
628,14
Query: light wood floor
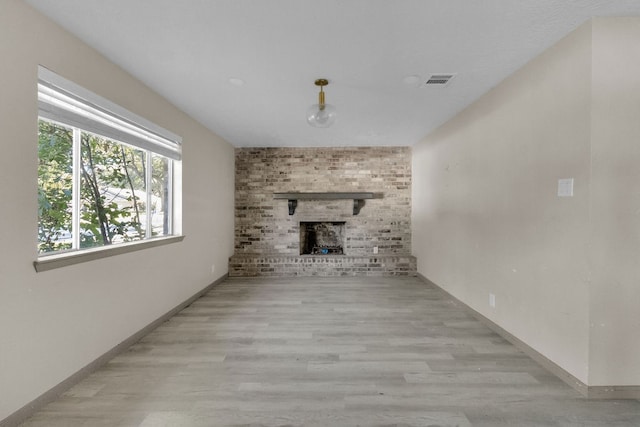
326,352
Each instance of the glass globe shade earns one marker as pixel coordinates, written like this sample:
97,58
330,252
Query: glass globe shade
321,117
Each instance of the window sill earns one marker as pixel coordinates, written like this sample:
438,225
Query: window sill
51,262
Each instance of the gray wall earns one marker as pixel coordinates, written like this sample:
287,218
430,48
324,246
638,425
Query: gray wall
487,218
614,322
54,323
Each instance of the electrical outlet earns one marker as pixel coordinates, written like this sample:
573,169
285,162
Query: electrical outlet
213,268
375,249
492,300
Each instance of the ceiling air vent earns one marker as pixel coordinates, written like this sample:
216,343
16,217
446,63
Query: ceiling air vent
438,80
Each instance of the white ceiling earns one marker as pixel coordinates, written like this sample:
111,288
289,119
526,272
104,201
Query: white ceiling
187,50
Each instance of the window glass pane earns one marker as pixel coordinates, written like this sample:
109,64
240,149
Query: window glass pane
55,180
112,192
161,196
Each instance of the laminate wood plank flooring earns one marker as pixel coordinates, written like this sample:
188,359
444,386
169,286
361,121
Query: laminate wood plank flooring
326,352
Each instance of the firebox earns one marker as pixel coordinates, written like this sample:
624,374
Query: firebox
322,238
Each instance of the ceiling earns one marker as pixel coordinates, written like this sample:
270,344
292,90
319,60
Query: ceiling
375,53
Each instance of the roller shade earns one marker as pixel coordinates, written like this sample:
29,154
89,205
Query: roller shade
65,102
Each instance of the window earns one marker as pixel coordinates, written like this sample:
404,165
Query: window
105,175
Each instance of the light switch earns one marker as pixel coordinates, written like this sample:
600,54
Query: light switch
565,187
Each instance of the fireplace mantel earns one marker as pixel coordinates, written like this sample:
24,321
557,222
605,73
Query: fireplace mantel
358,199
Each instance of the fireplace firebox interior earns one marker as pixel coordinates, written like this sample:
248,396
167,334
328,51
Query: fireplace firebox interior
322,238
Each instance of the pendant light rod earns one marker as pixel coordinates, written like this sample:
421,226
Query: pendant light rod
321,83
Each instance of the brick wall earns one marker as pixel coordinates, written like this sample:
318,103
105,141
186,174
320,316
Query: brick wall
263,225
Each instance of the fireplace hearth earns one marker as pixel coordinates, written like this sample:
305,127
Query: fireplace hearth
322,238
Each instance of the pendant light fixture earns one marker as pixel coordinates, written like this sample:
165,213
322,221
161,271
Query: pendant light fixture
321,115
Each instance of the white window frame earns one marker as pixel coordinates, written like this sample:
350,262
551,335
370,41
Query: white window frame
64,102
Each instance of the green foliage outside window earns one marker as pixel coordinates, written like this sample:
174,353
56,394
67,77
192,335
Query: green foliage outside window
55,178
113,207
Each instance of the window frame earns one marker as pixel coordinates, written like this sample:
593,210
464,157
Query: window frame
63,102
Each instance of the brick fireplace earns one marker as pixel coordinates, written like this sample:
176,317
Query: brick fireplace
272,234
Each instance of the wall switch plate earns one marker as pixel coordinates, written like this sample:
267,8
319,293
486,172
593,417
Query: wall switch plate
213,268
375,249
492,300
565,187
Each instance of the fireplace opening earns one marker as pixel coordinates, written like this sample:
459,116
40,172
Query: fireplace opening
322,238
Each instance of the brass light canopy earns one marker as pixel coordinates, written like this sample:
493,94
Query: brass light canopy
321,115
